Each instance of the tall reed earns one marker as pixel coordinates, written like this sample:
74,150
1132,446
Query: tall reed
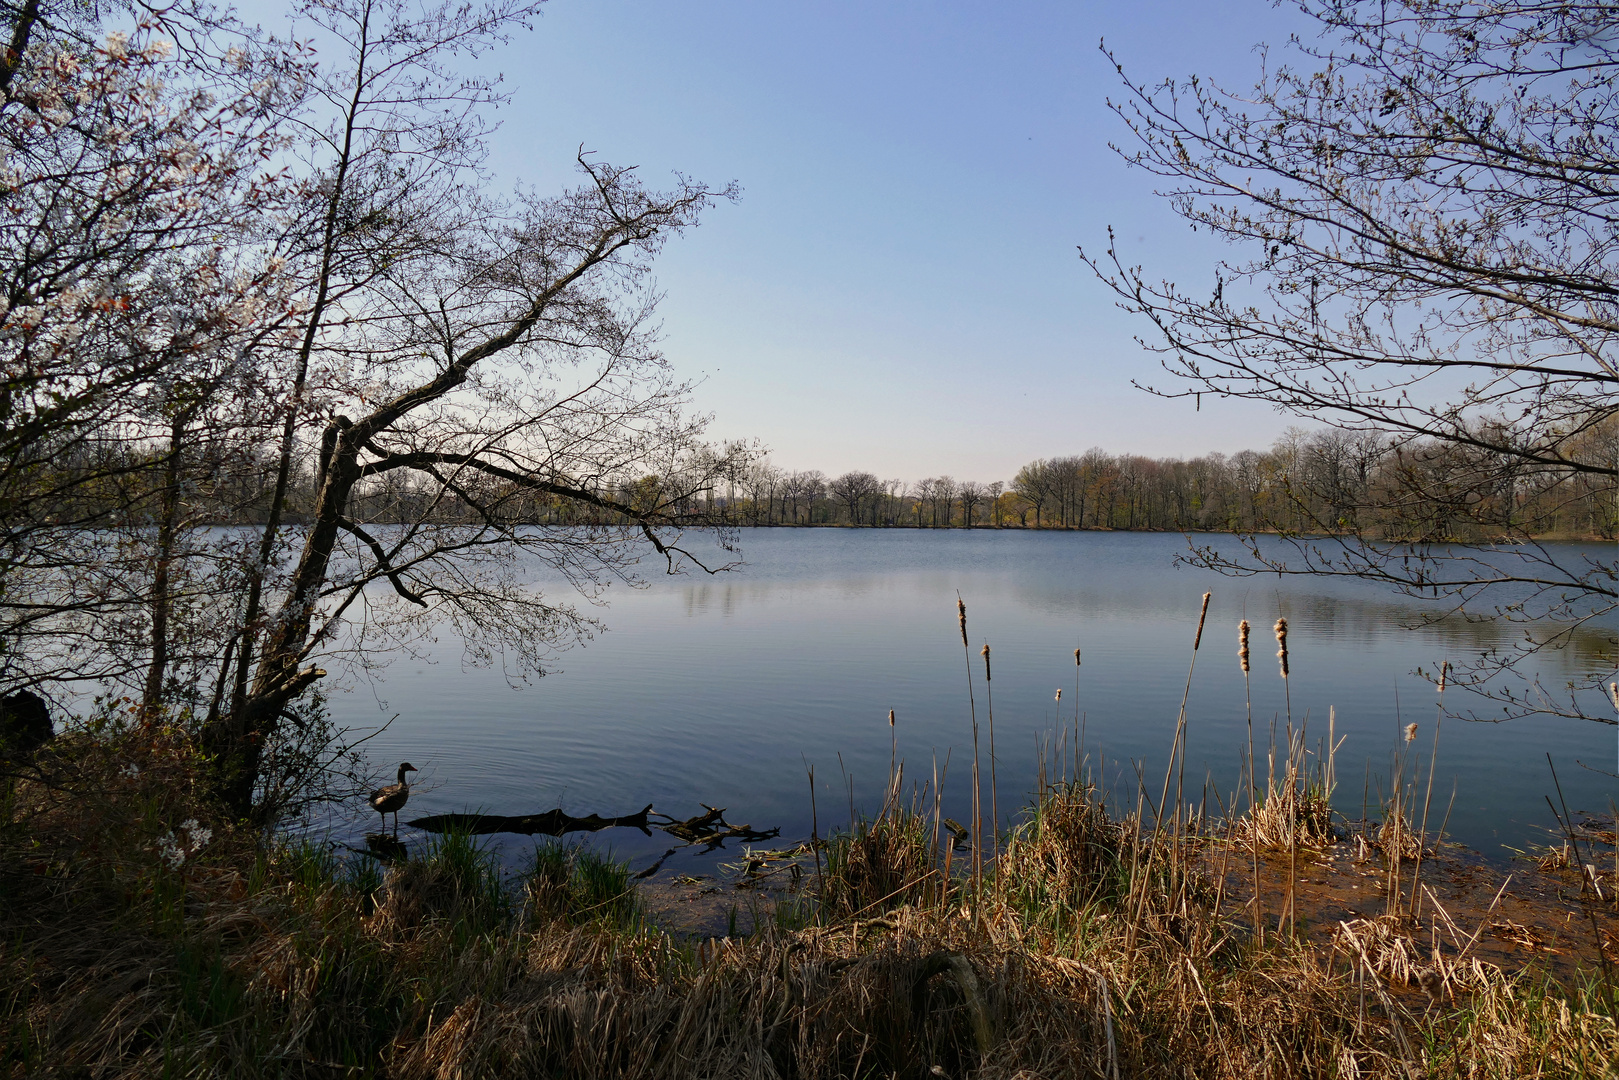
893,752
972,704
815,830
994,788
1427,799
1079,729
1176,753
1613,695
1243,630
1292,844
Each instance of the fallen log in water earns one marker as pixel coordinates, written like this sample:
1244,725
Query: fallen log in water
708,828
550,823
712,829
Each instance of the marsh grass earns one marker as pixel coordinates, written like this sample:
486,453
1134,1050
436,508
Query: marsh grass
1294,809
878,866
581,885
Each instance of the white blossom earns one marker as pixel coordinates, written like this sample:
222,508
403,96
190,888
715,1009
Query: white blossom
174,848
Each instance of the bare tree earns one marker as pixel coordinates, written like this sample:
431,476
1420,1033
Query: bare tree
1033,484
944,499
923,495
971,493
894,500
1426,204
858,491
410,384
764,482
803,488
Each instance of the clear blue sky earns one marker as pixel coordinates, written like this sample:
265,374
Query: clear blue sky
898,289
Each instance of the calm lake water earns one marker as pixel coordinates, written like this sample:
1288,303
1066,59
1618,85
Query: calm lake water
719,690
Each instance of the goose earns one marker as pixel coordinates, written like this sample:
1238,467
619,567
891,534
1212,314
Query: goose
390,799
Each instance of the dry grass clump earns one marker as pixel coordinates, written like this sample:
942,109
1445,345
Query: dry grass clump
1395,837
1517,1028
1068,858
878,866
1290,814
1384,946
1295,808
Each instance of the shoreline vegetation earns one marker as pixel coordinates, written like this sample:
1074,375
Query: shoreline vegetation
1090,943
1159,932
1362,484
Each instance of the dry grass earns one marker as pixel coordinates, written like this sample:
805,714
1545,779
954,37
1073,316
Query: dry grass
1294,809
1086,954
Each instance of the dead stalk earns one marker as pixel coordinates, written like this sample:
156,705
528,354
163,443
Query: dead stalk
1427,799
994,790
977,811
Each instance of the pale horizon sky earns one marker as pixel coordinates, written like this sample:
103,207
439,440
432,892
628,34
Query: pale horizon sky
898,289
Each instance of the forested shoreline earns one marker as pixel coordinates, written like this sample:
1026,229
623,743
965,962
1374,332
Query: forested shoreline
1326,481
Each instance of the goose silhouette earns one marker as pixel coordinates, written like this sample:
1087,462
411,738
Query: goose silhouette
390,799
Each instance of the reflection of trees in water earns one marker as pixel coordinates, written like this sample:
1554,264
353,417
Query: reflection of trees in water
1575,648
1140,593
1572,649
731,594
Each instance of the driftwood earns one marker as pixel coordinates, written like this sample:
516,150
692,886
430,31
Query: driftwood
709,828
550,823
712,829
960,971
655,867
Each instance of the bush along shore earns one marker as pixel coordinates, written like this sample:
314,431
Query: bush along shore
142,934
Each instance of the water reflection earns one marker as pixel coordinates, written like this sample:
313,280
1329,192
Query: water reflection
717,690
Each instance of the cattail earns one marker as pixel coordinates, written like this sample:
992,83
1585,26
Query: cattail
1613,692
890,717
1410,732
961,617
1444,672
1201,615
1242,644
1076,657
1281,641
1059,695
985,653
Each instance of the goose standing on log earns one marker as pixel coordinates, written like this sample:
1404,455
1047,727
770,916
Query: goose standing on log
391,799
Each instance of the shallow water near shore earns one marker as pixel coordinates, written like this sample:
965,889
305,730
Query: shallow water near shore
721,690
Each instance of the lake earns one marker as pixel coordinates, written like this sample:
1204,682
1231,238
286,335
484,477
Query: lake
720,690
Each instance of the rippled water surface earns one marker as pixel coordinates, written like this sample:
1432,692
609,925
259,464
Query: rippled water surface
719,690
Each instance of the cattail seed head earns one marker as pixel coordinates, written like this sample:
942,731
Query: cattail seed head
1076,657
1444,673
1201,615
1410,732
1281,641
1613,692
961,617
890,717
1242,644
984,652
1059,693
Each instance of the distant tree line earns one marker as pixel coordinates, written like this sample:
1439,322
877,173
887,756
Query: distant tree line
1327,481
